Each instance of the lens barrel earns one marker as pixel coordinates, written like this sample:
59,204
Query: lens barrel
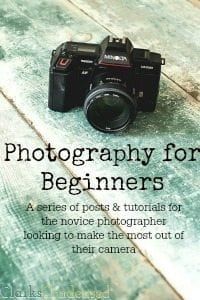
109,108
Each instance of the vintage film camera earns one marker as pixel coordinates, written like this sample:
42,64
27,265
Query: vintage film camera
112,81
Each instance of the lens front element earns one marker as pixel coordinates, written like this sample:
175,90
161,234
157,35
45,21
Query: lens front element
109,109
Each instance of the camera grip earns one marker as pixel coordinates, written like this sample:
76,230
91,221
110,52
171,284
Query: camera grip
59,91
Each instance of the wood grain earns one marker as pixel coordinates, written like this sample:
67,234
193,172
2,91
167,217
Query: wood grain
26,45
49,266
170,27
195,2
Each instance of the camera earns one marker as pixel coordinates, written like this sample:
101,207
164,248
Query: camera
112,81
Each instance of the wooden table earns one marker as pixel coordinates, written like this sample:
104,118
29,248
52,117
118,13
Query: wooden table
162,270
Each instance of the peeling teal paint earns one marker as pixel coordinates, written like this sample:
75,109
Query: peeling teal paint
26,62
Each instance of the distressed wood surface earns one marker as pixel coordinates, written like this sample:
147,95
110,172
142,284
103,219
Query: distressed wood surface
195,2
24,61
49,266
170,27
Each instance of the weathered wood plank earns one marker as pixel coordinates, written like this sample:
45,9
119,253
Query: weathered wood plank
170,27
195,2
49,266
25,65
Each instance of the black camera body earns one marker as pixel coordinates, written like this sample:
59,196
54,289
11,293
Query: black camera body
112,81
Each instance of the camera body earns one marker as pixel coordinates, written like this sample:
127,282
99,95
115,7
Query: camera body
79,71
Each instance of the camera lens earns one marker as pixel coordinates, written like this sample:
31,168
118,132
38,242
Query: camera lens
109,108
